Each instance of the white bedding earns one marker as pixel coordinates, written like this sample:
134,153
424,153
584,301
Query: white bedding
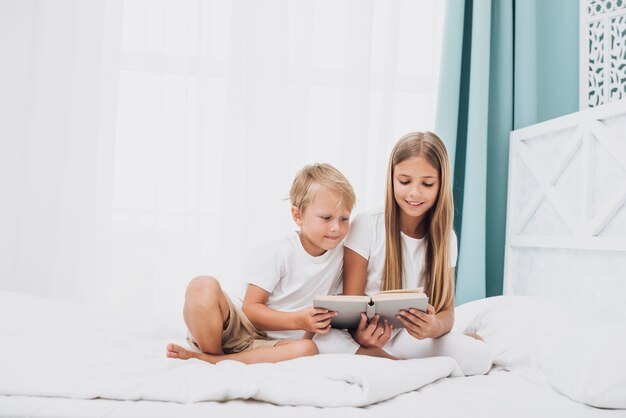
65,355
501,394
111,371
56,356
581,356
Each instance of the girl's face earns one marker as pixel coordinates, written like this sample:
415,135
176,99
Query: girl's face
415,186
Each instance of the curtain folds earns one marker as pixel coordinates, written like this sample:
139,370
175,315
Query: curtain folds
497,74
476,120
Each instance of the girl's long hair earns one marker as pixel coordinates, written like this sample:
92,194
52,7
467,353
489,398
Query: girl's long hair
439,277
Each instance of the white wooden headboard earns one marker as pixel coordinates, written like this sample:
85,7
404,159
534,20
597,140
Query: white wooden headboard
566,211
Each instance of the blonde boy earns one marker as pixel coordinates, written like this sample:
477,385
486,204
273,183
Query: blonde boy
283,277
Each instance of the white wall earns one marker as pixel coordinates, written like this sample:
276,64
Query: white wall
143,143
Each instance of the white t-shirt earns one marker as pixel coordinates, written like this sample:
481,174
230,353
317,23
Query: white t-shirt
367,238
292,276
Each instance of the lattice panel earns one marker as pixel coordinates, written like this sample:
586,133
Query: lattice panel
617,75
600,7
602,52
566,211
565,190
595,64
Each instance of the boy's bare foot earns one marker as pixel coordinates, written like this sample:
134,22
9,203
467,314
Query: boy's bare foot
284,350
176,351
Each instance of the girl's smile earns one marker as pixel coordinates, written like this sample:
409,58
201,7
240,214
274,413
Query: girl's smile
416,204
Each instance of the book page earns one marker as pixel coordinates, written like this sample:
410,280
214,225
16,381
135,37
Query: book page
399,296
389,306
348,309
415,290
346,298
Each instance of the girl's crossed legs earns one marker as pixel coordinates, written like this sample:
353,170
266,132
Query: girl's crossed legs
472,355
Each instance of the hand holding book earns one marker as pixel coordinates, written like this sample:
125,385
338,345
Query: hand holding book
386,304
420,324
314,320
375,333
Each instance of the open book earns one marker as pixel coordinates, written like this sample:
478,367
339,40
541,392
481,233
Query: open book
387,304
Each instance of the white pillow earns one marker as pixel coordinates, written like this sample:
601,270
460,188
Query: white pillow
510,325
465,314
587,363
582,357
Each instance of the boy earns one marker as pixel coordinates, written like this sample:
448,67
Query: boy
283,278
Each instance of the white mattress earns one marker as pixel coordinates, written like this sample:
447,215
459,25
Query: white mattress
520,331
499,394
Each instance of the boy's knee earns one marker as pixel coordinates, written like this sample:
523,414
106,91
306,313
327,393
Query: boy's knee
203,287
306,348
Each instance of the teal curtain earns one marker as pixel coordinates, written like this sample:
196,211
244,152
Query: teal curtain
505,64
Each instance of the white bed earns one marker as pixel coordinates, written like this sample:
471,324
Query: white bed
552,358
50,363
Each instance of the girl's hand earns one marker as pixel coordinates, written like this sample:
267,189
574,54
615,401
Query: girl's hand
420,324
372,334
316,320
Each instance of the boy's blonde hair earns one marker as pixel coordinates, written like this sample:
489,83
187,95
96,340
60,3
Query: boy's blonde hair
318,178
439,277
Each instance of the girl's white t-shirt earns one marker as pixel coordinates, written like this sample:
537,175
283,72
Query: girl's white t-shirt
292,276
367,238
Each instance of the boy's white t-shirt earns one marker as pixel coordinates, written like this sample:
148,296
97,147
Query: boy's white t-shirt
367,238
292,276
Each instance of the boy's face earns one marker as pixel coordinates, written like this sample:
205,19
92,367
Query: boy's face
323,224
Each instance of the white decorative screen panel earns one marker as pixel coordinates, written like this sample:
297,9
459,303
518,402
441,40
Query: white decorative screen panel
601,7
566,214
602,52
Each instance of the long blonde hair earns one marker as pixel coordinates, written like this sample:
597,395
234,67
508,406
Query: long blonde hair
439,278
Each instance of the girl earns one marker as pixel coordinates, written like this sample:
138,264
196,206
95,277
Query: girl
410,244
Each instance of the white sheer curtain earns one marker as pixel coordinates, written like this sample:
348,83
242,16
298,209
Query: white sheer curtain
146,142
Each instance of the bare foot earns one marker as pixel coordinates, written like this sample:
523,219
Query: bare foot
176,351
474,336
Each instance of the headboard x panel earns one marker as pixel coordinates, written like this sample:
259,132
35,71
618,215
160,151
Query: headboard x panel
566,211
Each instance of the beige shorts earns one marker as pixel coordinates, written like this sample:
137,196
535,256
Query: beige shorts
238,333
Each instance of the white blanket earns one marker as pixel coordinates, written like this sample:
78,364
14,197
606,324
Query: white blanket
64,350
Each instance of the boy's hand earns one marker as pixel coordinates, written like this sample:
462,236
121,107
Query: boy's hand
315,320
372,334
